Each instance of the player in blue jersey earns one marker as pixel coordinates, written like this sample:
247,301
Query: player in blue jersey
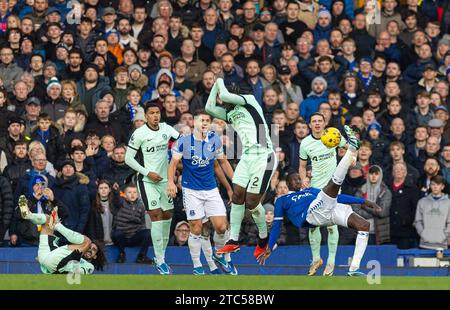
314,207
198,152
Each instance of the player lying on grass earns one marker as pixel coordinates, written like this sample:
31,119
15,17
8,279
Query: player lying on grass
80,256
314,207
257,163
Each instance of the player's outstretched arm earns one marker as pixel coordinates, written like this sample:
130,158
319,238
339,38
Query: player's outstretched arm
226,96
226,167
368,205
211,107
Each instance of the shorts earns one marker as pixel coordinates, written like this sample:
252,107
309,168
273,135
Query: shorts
154,195
53,259
254,172
325,211
203,204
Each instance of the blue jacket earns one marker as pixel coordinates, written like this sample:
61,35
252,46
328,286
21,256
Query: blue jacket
333,77
348,6
322,33
413,72
311,104
73,192
23,184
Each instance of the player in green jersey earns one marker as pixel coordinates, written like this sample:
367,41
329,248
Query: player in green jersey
150,144
324,162
257,164
80,256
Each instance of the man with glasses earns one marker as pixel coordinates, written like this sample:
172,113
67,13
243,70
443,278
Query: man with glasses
9,70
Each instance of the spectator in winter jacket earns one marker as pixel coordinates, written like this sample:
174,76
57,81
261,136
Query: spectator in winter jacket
318,95
378,141
48,135
20,164
414,71
41,199
270,104
91,86
54,104
325,69
99,224
129,226
71,188
15,133
366,42
376,191
9,70
388,13
85,165
403,209
102,124
6,206
397,154
323,26
432,219
430,169
97,153
118,173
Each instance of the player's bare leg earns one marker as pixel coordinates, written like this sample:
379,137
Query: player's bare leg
195,245
221,235
236,217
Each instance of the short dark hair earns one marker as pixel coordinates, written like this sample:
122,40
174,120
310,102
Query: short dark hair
151,104
438,179
316,114
44,116
76,148
201,112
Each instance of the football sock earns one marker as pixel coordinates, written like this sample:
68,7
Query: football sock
333,239
236,217
208,252
219,242
342,168
166,232
158,241
71,236
315,237
360,248
259,216
195,248
37,218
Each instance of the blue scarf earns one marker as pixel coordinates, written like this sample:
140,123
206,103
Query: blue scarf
132,110
366,81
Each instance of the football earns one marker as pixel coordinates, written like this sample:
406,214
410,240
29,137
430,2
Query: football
331,137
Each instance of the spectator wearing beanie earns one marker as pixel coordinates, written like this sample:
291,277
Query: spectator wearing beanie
91,86
54,104
318,95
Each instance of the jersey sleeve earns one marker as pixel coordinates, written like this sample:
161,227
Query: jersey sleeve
347,199
172,133
302,152
135,141
177,147
277,223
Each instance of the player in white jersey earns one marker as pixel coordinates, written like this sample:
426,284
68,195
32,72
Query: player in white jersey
323,161
201,154
150,144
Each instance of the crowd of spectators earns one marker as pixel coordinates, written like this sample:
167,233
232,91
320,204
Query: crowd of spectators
74,78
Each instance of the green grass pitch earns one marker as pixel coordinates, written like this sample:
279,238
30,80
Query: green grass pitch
186,282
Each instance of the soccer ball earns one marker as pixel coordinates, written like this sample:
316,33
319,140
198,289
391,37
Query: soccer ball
331,137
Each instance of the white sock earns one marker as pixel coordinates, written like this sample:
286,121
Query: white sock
208,252
360,247
342,168
195,248
219,242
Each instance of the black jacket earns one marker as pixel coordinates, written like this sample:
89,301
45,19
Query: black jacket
364,41
118,173
6,206
15,170
73,192
105,128
54,145
403,211
129,217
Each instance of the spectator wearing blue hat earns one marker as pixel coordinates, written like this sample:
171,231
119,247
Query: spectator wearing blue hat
379,143
365,75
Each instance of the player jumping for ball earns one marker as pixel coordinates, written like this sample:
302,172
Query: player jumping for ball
315,207
80,256
257,164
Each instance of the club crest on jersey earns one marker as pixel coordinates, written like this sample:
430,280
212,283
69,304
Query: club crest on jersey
164,136
153,203
192,213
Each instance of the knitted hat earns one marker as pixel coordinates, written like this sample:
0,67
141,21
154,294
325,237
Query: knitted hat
48,64
53,82
269,207
319,78
68,162
134,67
374,125
324,13
91,66
139,117
37,179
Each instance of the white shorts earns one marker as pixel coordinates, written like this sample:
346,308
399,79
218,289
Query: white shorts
203,204
325,211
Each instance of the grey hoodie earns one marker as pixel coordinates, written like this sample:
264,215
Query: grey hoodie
432,221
